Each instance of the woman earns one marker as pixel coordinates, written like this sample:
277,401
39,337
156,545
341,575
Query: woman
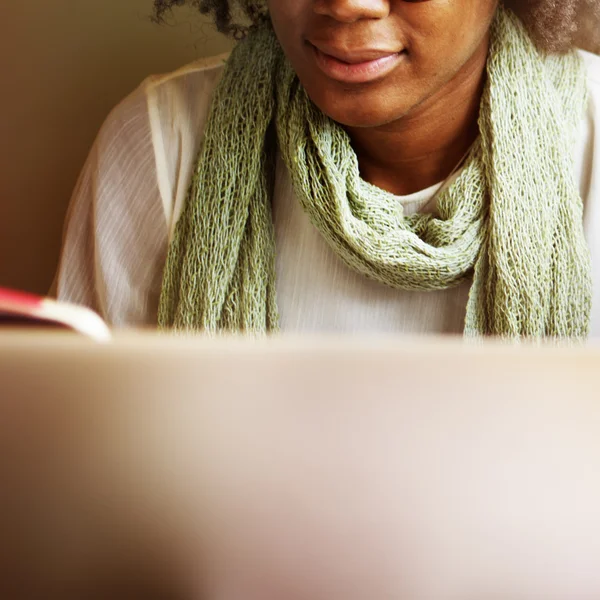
355,165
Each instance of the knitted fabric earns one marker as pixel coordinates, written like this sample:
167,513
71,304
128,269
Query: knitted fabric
512,218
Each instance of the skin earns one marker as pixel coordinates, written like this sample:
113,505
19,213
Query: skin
411,126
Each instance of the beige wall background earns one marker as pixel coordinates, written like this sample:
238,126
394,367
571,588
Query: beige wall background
63,65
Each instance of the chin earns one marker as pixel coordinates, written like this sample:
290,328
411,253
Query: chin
351,108
360,117
360,120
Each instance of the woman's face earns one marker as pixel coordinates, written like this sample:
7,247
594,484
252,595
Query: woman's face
367,63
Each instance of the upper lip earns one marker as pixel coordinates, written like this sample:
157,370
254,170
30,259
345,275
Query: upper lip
353,56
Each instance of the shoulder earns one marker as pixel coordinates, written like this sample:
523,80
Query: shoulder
587,161
589,144
178,102
592,64
162,122
200,69
166,100
192,83
587,135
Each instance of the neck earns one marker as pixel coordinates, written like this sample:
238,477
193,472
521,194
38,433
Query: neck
423,148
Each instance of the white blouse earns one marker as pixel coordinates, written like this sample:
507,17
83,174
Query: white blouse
134,184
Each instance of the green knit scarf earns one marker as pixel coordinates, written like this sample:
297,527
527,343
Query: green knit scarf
512,219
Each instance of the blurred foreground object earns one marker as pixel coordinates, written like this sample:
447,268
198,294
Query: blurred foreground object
20,309
299,469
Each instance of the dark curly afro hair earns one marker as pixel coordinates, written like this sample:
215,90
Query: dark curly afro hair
555,25
231,17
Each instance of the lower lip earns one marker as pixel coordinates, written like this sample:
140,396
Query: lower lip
359,72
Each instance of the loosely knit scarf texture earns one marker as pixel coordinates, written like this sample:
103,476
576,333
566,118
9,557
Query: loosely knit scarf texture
511,220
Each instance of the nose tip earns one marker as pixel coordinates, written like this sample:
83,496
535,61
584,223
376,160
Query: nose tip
350,11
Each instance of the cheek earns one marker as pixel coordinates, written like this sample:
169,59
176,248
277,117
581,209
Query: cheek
443,34
435,46
289,17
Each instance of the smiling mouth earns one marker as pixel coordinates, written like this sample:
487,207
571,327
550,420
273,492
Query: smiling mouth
361,67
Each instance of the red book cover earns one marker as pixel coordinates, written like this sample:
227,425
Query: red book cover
20,309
